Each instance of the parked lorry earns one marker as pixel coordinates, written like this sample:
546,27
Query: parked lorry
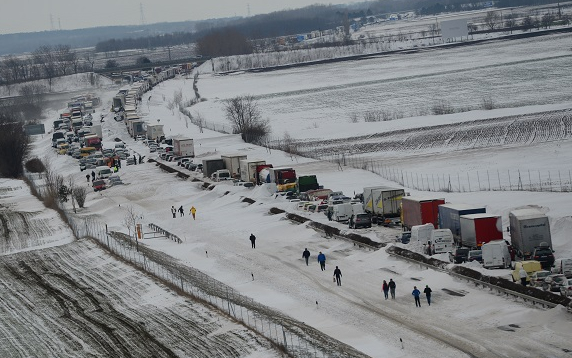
232,163
96,129
418,211
496,254
478,229
449,217
184,147
528,228
212,165
384,204
307,182
249,169
284,178
155,131
92,140
135,128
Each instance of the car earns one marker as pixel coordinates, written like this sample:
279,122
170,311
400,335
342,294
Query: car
544,254
359,221
553,283
566,288
537,278
98,185
130,161
459,255
191,166
140,138
530,266
114,180
182,161
404,238
475,255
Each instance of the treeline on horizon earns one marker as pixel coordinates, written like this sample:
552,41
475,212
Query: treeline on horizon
291,22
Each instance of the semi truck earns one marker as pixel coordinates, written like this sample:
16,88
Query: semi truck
249,169
307,182
96,129
284,178
449,217
418,211
92,140
383,204
232,163
528,229
155,131
210,166
184,147
478,229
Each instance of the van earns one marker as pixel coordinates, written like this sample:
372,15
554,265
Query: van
103,172
530,266
221,174
496,254
342,212
422,233
442,241
562,266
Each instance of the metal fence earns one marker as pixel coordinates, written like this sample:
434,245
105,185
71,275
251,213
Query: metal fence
294,337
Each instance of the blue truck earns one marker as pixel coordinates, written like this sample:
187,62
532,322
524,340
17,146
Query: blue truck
449,217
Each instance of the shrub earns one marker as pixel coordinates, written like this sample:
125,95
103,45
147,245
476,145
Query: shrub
35,165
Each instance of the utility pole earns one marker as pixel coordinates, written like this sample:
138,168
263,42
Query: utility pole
142,14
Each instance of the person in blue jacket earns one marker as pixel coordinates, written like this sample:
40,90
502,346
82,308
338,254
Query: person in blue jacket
322,260
416,293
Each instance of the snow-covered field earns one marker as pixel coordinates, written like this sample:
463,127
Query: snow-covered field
315,102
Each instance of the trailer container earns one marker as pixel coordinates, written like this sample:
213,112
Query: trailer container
418,211
184,147
307,182
449,217
248,170
232,163
478,229
210,166
528,228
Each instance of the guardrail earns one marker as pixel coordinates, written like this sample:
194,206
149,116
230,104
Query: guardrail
166,233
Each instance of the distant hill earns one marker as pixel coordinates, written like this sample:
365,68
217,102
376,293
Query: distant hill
30,41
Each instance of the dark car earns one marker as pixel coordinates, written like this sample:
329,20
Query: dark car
544,255
405,237
475,255
359,221
459,255
98,185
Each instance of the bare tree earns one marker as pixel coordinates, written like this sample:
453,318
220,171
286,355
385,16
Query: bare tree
130,221
510,22
44,57
89,57
79,193
63,57
527,23
547,20
492,19
246,118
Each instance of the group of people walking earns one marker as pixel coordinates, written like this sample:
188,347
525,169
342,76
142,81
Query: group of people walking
181,211
389,287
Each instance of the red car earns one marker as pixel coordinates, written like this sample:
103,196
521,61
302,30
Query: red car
98,185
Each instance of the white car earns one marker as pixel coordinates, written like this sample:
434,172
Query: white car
566,288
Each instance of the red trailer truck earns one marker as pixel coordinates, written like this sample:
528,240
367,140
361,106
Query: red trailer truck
419,211
478,229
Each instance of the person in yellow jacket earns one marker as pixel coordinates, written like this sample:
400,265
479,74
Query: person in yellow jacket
193,211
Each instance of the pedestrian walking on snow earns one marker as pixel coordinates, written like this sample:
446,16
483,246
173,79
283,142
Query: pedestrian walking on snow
322,260
306,255
193,211
416,294
392,285
385,289
173,211
427,291
92,175
253,241
338,276
87,177
181,211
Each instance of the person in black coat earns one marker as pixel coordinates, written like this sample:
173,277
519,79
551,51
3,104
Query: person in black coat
338,276
392,285
427,291
253,240
306,255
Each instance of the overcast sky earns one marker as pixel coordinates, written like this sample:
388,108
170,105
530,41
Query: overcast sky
34,15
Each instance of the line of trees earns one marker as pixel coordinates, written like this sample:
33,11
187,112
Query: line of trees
14,146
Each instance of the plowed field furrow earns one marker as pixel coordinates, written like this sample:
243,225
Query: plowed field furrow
76,301
492,132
